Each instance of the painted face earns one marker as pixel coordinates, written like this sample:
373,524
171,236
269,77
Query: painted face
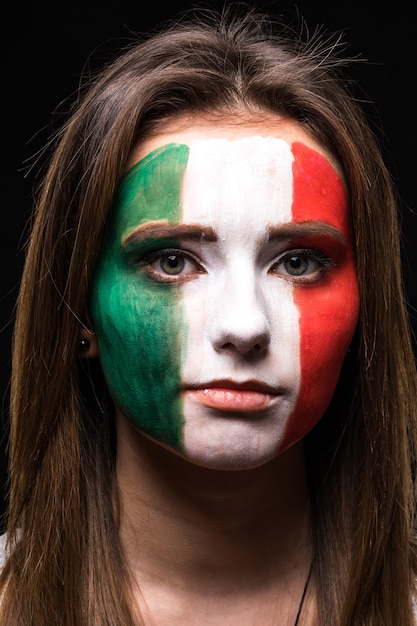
225,296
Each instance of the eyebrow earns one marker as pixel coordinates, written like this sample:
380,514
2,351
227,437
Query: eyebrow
293,230
163,229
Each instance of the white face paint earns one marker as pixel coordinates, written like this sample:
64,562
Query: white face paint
242,323
228,296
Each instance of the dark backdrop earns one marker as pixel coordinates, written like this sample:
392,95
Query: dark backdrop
47,48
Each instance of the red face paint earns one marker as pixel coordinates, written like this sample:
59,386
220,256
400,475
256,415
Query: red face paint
268,301
328,308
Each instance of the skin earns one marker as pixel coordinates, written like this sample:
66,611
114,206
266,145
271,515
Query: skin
224,344
138,320
214,547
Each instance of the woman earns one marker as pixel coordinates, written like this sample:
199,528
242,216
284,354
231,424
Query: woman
213,414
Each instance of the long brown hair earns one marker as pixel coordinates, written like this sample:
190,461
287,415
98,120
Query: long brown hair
66,563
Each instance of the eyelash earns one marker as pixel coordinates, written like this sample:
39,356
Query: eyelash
146,264
310,254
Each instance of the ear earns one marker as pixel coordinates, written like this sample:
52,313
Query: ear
87,344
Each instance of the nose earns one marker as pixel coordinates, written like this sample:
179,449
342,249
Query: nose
239,322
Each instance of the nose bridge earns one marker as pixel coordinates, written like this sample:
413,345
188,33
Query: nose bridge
243,285
240,316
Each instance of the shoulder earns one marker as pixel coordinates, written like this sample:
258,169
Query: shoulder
3,554
3,540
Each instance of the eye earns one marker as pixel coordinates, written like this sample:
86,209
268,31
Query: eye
170,265
303,266
297,264
173,264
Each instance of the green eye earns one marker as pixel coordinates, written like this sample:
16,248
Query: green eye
172,264
303,266
296,265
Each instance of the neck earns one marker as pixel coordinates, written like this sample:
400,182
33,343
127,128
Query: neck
206,530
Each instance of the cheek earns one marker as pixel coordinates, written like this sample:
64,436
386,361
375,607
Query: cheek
138,330
328,319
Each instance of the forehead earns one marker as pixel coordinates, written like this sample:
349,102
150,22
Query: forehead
276,177
185,130
230,179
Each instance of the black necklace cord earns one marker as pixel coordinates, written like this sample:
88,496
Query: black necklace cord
300,606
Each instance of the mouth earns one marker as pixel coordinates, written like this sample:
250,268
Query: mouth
231,396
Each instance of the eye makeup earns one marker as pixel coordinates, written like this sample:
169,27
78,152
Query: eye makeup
215,247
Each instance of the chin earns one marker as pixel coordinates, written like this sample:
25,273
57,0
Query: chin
233,442
226,463
230,458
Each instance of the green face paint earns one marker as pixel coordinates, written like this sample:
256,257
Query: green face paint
139,321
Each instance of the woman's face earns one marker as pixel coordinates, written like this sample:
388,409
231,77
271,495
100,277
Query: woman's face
225,295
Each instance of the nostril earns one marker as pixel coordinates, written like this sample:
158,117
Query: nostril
238,342
242,326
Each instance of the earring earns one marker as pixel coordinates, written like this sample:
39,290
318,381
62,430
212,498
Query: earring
83,345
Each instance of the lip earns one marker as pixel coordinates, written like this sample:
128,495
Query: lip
231,396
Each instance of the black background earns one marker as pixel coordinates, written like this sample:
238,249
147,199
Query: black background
48,48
